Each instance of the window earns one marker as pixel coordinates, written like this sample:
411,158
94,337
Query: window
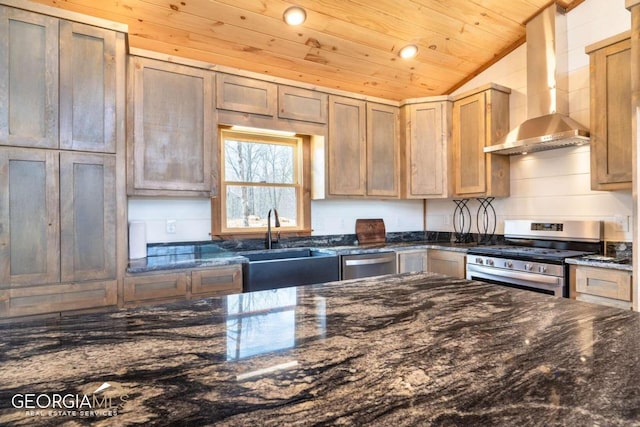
258,172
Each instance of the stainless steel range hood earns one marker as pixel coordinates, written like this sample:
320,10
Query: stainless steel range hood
549,125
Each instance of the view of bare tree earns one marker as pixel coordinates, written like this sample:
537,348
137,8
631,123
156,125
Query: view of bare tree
259,176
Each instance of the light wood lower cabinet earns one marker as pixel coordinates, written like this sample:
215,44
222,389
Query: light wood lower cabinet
34,300
601,285
182,284
450,263
412,260
219,281
58,221
155,286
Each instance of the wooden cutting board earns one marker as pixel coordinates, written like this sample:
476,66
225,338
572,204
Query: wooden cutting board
370,231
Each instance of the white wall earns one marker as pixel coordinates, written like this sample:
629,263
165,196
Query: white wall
193,216
339,216
554,184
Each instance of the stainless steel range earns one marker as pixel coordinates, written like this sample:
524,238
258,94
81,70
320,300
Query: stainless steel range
534,253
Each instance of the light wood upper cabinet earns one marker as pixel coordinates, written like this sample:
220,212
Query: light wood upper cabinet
610,86
383,139
88,57
427,153
29,79
480,119
246,95
60,88
363,149
347,147
302,104
173,130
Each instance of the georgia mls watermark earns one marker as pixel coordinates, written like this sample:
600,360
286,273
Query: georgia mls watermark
96,404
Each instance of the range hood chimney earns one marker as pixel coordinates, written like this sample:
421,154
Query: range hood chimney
549,125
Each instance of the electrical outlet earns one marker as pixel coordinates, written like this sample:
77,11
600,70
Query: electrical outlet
446,220
171,226
621,222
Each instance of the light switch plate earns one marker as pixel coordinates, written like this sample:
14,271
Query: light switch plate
171,226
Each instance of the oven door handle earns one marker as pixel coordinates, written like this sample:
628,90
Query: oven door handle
510,274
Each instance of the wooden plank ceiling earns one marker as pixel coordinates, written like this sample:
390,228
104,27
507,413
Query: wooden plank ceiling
350,45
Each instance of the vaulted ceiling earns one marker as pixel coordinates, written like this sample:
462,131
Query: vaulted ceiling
350,45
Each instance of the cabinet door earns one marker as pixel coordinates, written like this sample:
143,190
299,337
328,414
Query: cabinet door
29,221
302,104
447,262
611,134
88,225
409,261
383,146
87,88
173,132
347,146
428,152
29,79
469,130
246,95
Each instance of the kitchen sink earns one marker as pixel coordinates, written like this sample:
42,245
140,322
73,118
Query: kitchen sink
288,267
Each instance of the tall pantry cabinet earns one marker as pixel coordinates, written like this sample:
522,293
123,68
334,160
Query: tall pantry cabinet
61,109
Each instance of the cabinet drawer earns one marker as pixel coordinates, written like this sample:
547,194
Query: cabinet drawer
604,283
54,298
155,286
246,95
218,281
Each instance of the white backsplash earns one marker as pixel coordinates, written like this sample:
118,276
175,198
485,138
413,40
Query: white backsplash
192,216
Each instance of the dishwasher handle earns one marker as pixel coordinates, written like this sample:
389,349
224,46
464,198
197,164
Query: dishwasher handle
369,261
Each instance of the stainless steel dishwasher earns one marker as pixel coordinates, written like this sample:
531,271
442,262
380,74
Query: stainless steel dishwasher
368,265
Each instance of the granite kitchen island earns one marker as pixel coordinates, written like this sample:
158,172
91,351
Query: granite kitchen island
412,349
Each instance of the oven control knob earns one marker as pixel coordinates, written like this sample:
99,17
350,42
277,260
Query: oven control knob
528,267
542,269
489,262
478,260
508,264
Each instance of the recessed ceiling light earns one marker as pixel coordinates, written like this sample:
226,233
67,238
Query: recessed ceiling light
295,15
409,51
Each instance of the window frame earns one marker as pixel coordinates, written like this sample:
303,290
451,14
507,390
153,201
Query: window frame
302,174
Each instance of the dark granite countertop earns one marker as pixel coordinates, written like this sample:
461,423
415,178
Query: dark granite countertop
613,265
402,350
192,256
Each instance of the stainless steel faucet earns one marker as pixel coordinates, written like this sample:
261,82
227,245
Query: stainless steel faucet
269,241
